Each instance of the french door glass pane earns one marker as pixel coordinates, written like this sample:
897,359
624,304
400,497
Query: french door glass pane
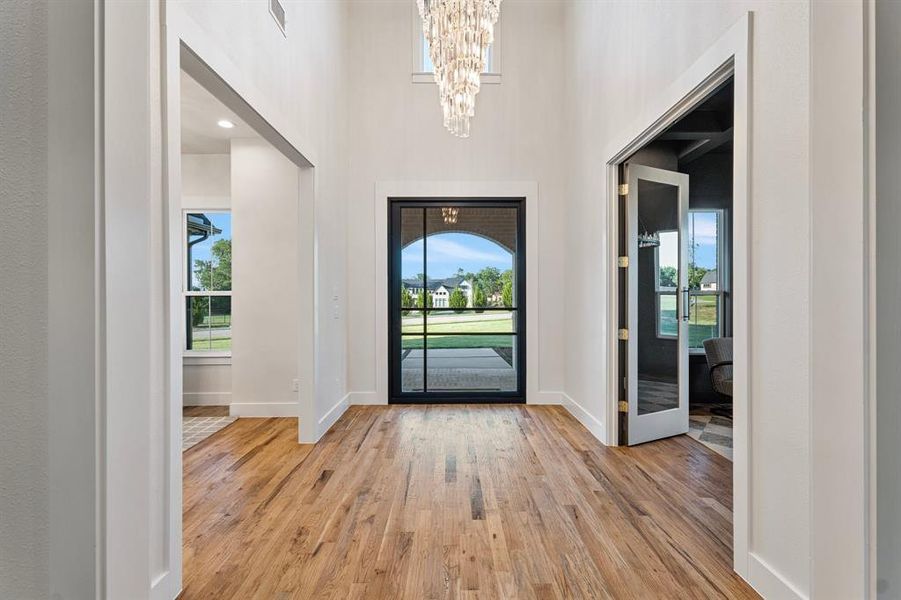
411,322
471,321
411,363
657,269
412,265
484,363
470,254
668,321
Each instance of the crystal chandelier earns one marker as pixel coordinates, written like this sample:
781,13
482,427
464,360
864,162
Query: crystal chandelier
458,33
450,215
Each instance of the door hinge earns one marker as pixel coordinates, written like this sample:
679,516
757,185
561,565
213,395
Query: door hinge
623,406
623,189
622,262
623,334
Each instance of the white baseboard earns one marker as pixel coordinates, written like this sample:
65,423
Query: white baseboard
593,425
206,398
769,583
373,398
263,409
364,398
546,398
331,416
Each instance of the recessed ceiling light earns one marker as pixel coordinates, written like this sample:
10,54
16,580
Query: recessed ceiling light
225,123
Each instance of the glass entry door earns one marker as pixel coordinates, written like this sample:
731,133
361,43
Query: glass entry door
657,307
457,300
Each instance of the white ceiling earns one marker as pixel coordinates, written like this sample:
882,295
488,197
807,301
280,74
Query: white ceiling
200,111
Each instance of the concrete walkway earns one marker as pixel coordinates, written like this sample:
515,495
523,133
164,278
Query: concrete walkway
459,369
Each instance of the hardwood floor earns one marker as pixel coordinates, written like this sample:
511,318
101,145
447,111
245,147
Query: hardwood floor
468,501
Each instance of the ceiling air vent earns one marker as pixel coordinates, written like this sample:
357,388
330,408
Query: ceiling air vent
278,13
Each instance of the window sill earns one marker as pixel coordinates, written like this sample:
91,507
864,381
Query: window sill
489,78
206,358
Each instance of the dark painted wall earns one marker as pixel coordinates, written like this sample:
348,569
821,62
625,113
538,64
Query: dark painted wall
711,187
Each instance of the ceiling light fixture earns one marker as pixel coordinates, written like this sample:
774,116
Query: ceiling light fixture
449,214
225,124
459,33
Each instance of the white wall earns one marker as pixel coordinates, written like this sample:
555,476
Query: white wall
205,181
620,56
206,185
396,134
265,195
298,84
48,319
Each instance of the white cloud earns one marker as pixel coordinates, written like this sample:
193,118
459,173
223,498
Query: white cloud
448,251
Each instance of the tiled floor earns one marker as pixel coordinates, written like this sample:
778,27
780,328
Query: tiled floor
714,431
197,429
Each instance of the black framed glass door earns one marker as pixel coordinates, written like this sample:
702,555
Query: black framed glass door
457,300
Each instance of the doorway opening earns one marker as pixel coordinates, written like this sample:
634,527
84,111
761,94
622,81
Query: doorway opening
457,301
676,290
234,348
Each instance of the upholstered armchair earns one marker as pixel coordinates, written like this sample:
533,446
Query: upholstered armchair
719,360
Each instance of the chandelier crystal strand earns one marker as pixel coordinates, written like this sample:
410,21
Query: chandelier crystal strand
459,33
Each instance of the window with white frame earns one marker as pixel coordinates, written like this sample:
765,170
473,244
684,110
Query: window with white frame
707,277
208,281
424,70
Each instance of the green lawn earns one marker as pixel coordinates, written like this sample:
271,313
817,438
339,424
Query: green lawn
502,323
218,338
702,324
217,343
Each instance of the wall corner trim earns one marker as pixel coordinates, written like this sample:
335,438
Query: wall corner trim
768,583
333,414
592,424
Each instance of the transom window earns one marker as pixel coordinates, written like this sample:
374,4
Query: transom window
423,69
208,281
707,278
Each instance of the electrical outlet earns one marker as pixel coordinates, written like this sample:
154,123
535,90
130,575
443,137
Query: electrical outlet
295,385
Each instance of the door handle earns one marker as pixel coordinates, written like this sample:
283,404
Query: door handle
686,310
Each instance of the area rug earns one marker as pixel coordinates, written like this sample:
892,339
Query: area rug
713,431
197,429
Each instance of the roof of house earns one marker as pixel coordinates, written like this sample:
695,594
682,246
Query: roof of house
450,283
709,277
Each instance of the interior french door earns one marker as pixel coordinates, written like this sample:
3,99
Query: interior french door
456,300
657,303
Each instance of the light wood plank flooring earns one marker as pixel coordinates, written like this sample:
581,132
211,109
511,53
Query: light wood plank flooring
454,502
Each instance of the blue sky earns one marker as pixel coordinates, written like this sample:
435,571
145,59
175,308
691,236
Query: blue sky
449,251
221,221
703,226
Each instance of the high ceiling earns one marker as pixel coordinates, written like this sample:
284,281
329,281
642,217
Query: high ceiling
200,112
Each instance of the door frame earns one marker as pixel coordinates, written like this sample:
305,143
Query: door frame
386,190
185,47
728,57
521,328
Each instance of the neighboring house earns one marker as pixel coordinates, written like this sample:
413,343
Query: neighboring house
709,282
440,289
